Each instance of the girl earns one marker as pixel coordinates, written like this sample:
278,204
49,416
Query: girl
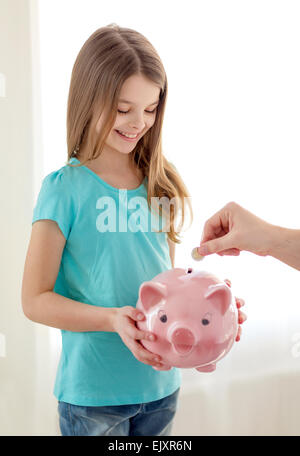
84,264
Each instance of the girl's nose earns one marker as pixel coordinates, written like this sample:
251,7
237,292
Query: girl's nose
138,122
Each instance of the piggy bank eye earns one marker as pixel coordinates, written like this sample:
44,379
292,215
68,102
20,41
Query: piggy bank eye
162,316
206,319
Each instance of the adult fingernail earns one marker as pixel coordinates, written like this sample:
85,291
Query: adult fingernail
140,316
195,255
151,337
202,250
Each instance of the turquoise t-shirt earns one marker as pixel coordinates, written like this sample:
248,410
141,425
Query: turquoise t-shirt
111,248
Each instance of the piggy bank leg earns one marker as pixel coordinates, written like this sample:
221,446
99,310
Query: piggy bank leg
164,367
208,368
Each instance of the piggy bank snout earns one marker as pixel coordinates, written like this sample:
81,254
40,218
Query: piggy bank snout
183,336
182,339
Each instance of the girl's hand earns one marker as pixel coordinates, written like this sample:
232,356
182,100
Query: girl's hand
241,315
124,324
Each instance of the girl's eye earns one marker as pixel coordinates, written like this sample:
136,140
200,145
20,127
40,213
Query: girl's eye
148,112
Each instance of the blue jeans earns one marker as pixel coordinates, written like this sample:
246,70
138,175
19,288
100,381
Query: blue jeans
149,418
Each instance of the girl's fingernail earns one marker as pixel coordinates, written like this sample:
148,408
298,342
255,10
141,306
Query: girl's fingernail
140,316
151,337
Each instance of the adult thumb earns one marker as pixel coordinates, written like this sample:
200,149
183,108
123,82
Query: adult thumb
215,245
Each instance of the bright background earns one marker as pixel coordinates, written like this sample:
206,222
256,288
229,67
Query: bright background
232,130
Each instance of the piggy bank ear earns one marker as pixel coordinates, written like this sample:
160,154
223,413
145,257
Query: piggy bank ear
220,296
151,293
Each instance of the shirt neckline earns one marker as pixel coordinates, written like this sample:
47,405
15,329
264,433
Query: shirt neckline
105,183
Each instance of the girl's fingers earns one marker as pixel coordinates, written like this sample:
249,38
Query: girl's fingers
241,317
228,282
238,336
134,336
136,314
137,334
239,302
145,356
133,331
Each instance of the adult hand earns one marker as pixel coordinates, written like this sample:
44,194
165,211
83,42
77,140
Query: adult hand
233,229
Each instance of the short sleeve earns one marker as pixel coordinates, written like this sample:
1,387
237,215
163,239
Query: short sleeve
56,201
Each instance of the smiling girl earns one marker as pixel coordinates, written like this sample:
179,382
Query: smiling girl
84,279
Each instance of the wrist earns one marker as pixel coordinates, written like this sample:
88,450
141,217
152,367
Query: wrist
280,238
106,318
112,319
286,246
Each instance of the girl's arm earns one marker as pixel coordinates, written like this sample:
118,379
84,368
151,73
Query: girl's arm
172,251
40,303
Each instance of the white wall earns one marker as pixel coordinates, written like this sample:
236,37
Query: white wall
233,75
232,130
261,404
27,407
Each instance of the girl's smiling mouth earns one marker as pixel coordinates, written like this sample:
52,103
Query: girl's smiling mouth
131,137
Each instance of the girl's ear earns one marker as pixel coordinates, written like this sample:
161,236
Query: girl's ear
220,296
151,293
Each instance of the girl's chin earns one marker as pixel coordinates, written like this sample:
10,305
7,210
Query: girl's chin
122,150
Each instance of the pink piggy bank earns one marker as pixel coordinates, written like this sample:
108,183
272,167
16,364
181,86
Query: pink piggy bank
193,315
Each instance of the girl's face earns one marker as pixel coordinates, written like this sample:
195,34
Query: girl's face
137,108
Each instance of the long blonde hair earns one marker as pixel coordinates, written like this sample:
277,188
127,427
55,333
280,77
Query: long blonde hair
108,57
